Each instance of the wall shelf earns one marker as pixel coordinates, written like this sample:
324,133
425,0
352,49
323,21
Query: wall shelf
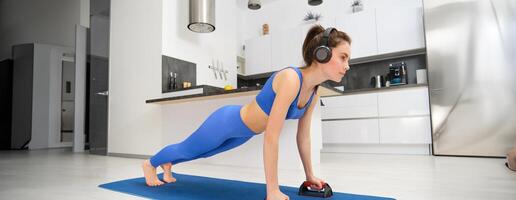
387,56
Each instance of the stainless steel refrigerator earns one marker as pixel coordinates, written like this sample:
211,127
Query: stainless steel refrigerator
471,55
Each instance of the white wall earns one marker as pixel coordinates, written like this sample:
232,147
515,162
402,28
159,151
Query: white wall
202,48
283,14
134,127
36,21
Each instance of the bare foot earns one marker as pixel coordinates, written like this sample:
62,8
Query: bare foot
149,172
167,173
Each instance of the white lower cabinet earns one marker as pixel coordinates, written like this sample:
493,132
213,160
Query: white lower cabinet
395,121
405,130
351,131
407,102
352,106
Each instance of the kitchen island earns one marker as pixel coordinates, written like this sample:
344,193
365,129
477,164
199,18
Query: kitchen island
184,110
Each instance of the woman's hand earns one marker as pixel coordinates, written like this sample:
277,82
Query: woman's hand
276,195
317,183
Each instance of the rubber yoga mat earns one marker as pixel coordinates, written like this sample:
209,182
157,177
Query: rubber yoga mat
197,187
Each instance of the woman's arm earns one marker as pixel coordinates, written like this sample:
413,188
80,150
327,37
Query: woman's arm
285,83
303,138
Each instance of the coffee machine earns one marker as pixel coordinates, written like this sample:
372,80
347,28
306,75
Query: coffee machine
397,74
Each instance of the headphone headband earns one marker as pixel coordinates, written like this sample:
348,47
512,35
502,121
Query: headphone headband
326,37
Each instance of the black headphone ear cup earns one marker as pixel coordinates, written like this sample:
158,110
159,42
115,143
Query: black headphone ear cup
322,54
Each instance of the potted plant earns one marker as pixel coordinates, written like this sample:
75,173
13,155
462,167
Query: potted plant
311,17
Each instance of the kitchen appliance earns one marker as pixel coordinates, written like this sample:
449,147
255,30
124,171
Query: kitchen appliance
470,47
377,81
421,76
254,4
202,16
397,74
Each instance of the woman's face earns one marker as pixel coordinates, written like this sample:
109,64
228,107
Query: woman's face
336,68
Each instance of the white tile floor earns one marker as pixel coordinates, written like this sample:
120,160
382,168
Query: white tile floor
61,174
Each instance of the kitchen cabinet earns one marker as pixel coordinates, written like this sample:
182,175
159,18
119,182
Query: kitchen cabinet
383,30
393,117
362,131
404,116
258,55
350,106
405,130
399,28
407,102
361,27
286,48
372,31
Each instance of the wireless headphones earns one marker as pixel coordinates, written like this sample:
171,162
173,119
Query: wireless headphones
323,52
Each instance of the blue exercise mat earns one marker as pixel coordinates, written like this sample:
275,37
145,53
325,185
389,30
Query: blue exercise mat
198,187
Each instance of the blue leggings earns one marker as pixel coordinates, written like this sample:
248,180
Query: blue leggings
221,131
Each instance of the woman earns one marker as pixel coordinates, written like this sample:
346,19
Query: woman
290,93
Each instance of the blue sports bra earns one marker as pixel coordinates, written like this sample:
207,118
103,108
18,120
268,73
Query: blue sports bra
265,98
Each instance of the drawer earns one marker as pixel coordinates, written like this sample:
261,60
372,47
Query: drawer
405,130
351,131
350,106
406,102
349,112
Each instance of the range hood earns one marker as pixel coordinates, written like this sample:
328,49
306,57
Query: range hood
202,16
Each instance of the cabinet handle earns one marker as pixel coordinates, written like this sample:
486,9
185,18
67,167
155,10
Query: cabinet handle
105,93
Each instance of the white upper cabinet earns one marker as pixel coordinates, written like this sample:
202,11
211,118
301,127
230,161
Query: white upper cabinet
399,28
258,55
286,48
374,31
361,27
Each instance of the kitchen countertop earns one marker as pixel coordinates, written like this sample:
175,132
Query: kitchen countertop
371,90
211,92
208,92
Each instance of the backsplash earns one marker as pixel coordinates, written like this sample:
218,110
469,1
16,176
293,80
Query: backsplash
251,82
186,71
359,76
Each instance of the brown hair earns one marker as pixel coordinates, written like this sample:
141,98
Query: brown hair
313,40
